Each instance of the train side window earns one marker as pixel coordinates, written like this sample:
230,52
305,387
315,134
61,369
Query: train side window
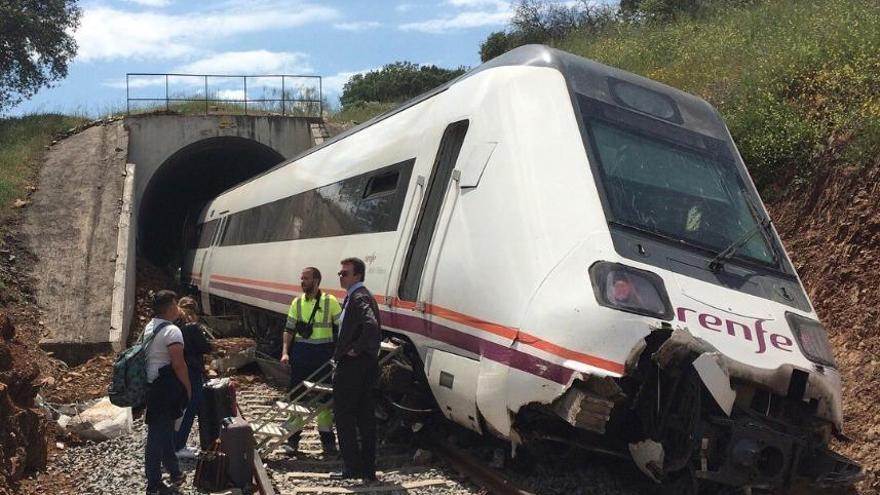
381,184
438,184
206,233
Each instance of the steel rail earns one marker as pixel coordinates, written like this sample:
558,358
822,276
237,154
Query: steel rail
476,471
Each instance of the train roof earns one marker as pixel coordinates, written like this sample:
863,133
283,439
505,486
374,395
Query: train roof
581,74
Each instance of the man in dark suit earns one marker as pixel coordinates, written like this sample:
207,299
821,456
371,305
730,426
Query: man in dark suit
357,372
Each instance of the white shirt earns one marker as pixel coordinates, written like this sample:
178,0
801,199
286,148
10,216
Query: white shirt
157,352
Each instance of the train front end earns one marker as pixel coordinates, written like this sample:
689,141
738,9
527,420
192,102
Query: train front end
727,378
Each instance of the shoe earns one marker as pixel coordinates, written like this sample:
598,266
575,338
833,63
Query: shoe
186,453
178,481
162,489
344,475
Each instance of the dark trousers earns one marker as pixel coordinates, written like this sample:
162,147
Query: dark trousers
353,404
166,399
182,434
159,451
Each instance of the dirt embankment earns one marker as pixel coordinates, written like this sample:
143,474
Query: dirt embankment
831,229
24,368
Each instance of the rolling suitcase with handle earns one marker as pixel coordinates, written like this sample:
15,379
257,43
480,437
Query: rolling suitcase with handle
218,402
237,442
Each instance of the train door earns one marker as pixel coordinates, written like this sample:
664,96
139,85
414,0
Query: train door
414,277
205,268
452,372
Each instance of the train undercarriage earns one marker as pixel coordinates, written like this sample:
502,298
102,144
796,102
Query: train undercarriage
691,439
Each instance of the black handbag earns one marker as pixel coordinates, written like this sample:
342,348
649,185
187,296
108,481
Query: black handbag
211,469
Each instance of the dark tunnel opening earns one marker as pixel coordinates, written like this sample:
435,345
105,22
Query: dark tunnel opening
185,182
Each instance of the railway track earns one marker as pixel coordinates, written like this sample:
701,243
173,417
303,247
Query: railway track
433,467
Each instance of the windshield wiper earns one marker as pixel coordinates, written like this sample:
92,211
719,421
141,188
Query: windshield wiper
658,235
718,261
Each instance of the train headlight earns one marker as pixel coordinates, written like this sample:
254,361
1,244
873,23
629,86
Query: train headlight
630,289
812,339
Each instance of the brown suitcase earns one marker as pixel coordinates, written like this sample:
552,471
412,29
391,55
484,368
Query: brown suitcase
237,442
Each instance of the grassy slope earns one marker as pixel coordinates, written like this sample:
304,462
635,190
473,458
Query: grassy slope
794,79
22,141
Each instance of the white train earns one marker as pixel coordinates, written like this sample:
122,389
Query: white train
575,252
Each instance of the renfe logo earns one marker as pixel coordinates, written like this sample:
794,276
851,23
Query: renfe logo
736,329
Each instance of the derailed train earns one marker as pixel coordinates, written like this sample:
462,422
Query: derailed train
573,252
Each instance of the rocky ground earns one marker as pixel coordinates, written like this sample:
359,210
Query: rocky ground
831,229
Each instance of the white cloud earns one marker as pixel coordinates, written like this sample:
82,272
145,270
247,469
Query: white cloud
109,33
333,84
404,7
229,94
236,63
498,4
250,62
357,25
463,20
151,3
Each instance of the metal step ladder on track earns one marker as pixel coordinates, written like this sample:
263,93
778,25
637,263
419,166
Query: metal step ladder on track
303,403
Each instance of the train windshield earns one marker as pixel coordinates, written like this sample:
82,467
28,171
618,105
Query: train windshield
679,189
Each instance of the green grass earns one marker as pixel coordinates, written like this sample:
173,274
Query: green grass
360,112
22,142
797,81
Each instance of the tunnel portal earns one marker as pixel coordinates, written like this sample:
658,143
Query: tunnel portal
185,182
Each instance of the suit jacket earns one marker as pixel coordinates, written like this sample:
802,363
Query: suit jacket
360,329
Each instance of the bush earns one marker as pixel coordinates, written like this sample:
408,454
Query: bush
395,83
796,80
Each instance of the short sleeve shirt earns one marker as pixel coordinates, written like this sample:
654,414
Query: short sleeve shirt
157,353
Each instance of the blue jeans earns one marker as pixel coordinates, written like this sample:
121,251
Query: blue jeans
160,451
181,435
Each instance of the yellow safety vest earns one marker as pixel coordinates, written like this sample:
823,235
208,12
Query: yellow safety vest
322,326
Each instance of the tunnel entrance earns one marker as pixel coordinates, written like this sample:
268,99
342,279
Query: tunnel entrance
185,182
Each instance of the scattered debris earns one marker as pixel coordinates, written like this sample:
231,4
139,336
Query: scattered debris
101,421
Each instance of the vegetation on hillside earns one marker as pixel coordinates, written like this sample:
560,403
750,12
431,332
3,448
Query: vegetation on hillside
543,21
395,82
22,141
795,80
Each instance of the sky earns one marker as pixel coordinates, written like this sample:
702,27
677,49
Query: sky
331,39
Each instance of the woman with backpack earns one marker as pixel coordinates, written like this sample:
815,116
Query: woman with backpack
195,346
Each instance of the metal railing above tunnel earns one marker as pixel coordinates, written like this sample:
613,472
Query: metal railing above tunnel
215,94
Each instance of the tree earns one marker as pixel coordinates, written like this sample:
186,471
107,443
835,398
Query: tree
496,44
541,21
395,82
36,46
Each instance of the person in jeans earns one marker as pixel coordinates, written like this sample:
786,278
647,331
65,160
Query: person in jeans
168,392
195,345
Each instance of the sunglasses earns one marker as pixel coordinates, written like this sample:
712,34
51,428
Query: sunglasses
344,273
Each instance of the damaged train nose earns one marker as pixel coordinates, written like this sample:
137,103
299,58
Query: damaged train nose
702,415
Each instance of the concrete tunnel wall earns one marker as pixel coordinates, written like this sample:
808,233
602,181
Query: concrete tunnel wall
160,148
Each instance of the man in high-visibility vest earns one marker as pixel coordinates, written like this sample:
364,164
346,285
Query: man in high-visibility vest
310,326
